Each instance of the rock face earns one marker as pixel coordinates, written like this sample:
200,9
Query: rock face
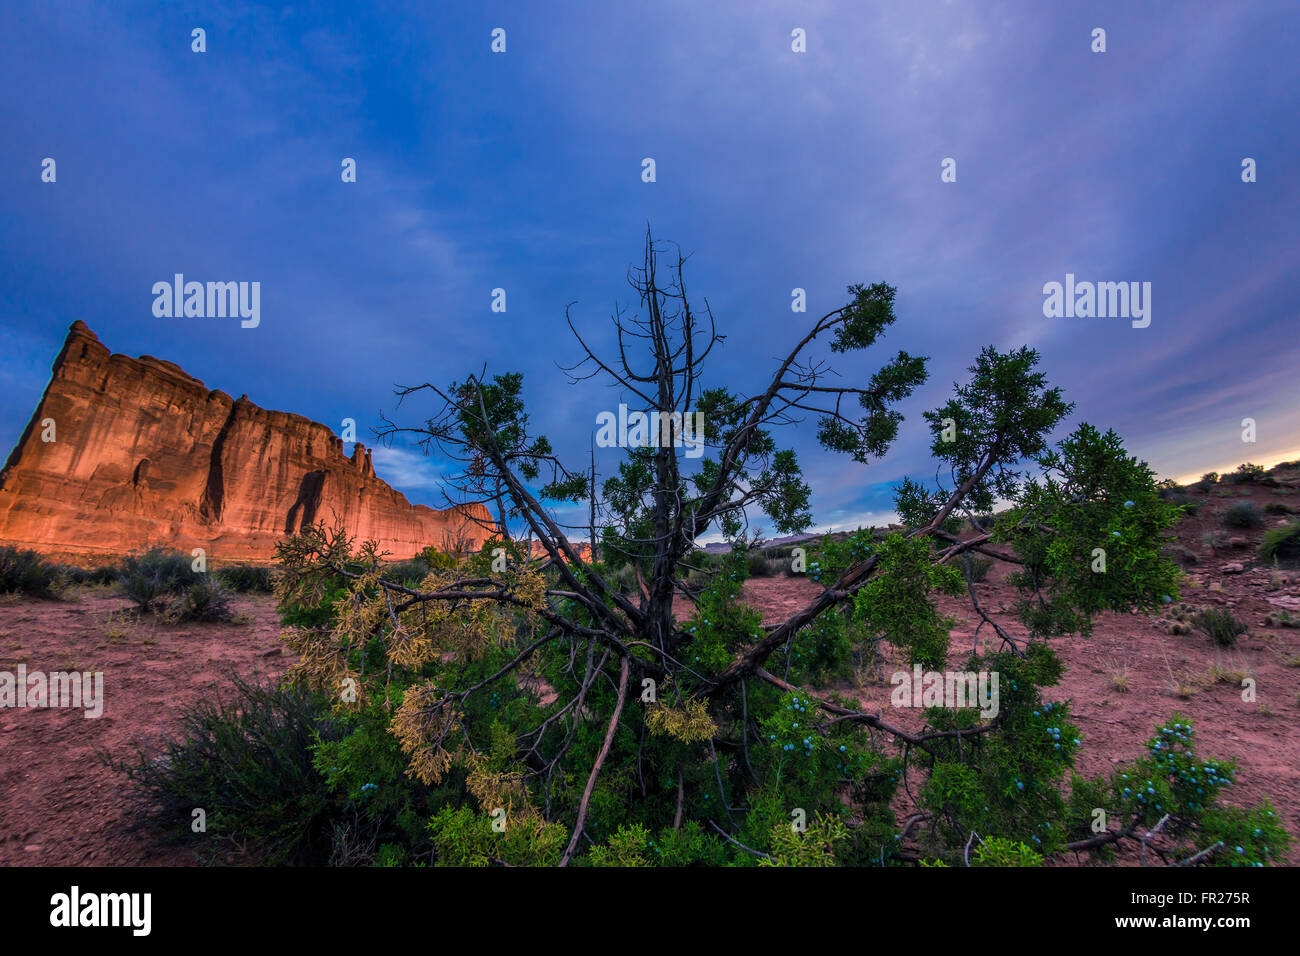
144,454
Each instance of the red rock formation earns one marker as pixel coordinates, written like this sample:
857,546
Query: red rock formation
145,454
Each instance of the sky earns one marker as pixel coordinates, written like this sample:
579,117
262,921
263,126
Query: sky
774,169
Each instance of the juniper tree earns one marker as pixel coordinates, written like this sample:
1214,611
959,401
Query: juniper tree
570,717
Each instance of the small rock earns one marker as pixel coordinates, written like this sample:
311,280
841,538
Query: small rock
1234,567
273,652
32,848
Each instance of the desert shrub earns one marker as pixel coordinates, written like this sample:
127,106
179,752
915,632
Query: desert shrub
25,572
1278,508
1243,514
1208,480
1220,625
247,762
244,578
409,573
1185,501
435,560
101,576
1281,545
758,564
1246,473
979,567
146,577
203,600
623,578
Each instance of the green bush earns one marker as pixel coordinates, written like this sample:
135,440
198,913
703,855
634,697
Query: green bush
435,560
1246,473
247,763
1243,514
95,577
1281,545
166,582
244,578
204,600
756,564
25,572
409,573
979,567
156,573
1220,625
1278,508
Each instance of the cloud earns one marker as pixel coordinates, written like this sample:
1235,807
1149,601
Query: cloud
406,469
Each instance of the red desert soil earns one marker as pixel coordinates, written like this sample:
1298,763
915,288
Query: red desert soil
59,804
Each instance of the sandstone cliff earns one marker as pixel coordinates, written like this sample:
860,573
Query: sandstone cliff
145,454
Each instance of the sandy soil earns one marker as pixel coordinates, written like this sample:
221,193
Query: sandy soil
60,805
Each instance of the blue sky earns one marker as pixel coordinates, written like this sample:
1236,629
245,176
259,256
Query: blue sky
774,169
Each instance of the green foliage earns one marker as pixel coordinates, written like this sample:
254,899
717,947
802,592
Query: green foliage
814,847
837,555
1220,625
435,560
822,652
1002,416
1094,496
997,851
25,572
721,623
896,604
464,837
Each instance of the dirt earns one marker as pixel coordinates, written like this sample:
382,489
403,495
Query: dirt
61,805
